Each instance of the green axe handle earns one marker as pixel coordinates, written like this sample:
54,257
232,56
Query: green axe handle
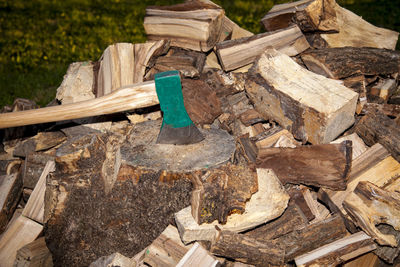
129,97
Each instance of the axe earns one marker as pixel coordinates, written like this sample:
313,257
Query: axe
166,90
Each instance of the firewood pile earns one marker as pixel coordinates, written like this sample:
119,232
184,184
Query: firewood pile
299,165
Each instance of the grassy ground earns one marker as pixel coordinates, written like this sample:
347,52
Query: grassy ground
40,38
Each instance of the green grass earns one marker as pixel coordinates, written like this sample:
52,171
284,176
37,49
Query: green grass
40,38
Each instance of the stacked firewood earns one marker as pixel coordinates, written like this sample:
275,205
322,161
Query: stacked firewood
299,165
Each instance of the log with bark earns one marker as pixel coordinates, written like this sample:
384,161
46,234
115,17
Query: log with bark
343,62
41,141
300,104
338,252
247,250
325,165
132,186
309,15
267,204
237,53
376,127
32,168
195,25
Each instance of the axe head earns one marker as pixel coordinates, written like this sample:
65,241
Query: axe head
177,127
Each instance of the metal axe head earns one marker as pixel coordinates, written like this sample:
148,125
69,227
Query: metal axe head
177,127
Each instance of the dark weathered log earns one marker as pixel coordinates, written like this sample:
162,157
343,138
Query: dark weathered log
249,149
250,117
338,252
225,190
376,127
247,250
34,254
356,32
41,141
194,25
291,220
201,102
370,205
189,63
311,237
309,15
339,63
10,193
274,86
234,54
390,110
319,165
32,168
9,164
135,186
357,83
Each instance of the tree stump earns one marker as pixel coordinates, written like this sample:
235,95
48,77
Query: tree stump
118,192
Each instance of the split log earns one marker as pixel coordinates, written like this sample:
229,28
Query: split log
387,253
198,256
270,138
250,117
343,62
356,32
357,144
338,252
189,63
382,91
223,191
311,237
297,198
34,254
21,232
124,63
201,102
318,165
267,204
77,84
167,249
121,176
390,110
370,205
246,249
309,15
115,259
237,53
376,127
34,209
300,105
292,219
33,167
249,149
375,165
10,193
194,25
232,31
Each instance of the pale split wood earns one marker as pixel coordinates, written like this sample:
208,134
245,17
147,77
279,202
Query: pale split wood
197,256
356,32
34,209
34,254
358,145
126,98
296,98
234,54
21,232
308,258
